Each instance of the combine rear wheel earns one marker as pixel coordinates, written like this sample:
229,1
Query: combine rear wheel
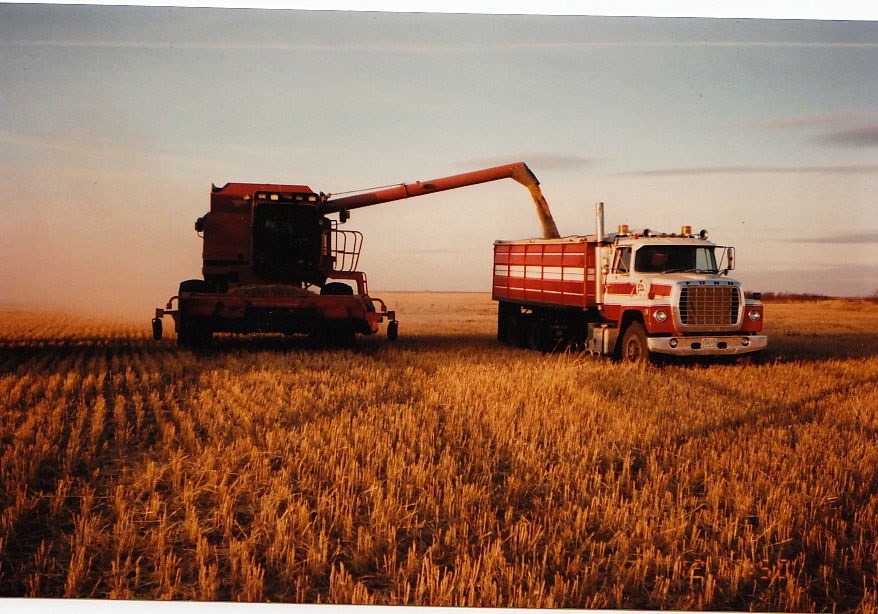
336,288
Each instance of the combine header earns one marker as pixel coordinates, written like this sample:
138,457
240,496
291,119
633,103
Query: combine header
273,262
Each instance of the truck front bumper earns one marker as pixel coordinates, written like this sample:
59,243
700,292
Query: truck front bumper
707,346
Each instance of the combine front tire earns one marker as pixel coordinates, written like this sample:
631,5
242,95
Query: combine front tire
157,329
392,330
193,334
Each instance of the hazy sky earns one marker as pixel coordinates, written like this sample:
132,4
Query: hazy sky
114,122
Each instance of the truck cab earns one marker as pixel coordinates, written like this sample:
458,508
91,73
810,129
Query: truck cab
671,294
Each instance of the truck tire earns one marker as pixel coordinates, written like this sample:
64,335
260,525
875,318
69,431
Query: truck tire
514,331
505,312
634,348
537,336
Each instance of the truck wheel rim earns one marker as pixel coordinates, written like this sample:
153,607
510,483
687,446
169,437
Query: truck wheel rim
632,350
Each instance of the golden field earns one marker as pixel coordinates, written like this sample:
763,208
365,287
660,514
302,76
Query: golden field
442,469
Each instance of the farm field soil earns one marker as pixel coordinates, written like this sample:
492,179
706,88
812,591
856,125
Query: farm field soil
442,469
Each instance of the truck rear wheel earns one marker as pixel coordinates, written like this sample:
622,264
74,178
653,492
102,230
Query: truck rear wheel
514,331
538,336
634,349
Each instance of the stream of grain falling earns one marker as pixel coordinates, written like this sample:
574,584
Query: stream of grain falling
550,230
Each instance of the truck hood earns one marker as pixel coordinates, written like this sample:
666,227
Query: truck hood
676,278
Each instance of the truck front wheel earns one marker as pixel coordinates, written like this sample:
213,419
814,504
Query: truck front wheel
634,349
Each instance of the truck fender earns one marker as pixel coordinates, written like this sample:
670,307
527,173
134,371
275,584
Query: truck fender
628,317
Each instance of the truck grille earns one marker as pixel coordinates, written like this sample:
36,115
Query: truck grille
709,305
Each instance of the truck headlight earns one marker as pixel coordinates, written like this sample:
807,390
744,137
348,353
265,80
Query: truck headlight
660,315
754,314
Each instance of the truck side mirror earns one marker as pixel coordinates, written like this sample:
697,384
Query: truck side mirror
731,255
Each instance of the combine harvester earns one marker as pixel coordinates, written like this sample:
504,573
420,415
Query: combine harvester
274,263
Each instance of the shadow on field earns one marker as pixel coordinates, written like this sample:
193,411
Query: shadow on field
783,348
16,353
774,414
50,352
362,345
790,347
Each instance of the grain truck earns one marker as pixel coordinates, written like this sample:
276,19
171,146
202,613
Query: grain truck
635,296
273,262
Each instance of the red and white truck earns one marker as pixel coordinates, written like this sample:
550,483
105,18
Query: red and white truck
635,296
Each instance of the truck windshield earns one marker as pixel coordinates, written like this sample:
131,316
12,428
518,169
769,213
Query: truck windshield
675,258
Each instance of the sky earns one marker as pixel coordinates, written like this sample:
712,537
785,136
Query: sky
115,121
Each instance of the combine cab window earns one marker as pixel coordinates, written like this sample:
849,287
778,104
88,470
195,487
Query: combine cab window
287,242
674,259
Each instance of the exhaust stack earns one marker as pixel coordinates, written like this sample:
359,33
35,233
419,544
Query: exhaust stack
600,255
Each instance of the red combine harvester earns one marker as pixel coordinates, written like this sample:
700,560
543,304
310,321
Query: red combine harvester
267,246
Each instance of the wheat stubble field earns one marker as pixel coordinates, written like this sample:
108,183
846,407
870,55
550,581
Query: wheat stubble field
443,469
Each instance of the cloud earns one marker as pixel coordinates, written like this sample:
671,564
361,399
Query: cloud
813,119
851,238
843,129
536,162
861,136
428,47
754,170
